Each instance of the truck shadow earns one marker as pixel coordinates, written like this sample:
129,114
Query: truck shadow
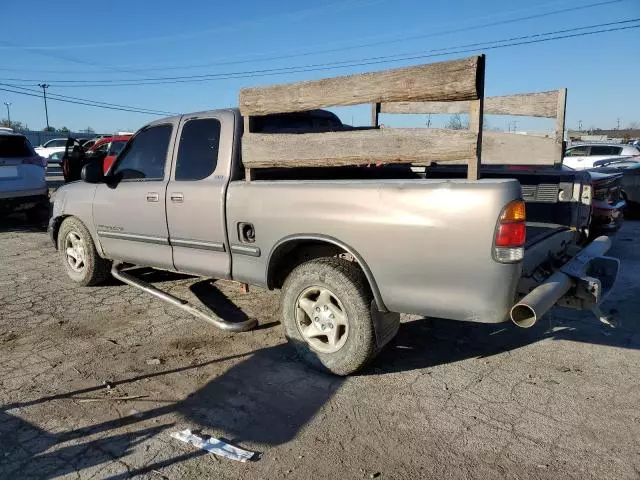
430,342
266,398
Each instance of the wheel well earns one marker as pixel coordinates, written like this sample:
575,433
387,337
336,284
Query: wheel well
290,254
55,228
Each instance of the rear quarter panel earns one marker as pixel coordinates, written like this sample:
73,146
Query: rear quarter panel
428,243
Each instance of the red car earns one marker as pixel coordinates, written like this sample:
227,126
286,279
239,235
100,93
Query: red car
116,144
105,150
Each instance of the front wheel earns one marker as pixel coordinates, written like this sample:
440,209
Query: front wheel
326,309
79,256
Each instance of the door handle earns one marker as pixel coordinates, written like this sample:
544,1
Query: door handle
177,197
152,197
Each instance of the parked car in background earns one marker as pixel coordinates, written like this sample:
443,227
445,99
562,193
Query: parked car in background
89,143
115,148
607,204
103,150
630,182
23,186
50,147
583,156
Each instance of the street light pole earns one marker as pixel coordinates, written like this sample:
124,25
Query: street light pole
44,87
8,104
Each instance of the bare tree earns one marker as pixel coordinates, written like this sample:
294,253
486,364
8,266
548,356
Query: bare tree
456,123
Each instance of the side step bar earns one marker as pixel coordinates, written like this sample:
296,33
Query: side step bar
211,318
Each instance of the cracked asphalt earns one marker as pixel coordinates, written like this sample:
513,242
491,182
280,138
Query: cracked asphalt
445,400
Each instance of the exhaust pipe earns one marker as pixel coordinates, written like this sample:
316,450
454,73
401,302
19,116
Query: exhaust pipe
531,308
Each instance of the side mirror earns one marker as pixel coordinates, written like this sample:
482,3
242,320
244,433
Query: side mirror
92,173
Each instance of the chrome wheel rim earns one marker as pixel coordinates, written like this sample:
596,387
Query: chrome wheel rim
75,251
321,319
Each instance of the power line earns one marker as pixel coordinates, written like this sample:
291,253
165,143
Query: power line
502,43
82,103
59,96
365,45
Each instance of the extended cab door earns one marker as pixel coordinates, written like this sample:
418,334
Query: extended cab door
196,195
129,212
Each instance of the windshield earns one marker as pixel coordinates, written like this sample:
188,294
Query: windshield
15,146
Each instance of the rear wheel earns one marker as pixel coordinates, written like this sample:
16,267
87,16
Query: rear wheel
79,256
326,308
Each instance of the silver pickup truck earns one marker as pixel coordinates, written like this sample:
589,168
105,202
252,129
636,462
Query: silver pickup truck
348,247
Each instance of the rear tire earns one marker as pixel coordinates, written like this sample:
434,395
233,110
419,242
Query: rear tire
326,310
79,256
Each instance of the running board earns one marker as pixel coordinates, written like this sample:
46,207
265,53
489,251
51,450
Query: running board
211,318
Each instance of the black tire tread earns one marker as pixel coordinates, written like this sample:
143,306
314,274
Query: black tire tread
98,268
351,282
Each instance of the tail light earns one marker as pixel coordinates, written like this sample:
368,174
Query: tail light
35,160
511,233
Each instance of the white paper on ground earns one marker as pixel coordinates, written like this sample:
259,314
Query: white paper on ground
213,445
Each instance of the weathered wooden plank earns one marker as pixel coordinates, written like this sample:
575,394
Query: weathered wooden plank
562,106
476,111
475,125
514,149
357,147
454,80
540,104
247,128
375,114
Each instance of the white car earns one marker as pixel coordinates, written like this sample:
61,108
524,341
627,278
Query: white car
583,156
52,146
23,186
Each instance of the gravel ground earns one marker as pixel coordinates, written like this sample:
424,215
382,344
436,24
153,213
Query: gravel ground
445,400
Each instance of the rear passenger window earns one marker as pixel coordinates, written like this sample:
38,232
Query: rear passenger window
198,150
578,151
605,150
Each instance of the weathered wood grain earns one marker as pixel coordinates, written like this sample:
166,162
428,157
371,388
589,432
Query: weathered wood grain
514,149
247,128
475,125
562,107
357,147
476,114
375,115
540,104
454,80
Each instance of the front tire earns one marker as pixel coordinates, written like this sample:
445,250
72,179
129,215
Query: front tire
326,310
79,256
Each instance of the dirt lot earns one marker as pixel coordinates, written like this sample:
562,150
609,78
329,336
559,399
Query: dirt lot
445,400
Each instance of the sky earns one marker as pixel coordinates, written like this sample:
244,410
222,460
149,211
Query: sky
84,49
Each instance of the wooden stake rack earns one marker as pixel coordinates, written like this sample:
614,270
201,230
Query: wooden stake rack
501,147
459,82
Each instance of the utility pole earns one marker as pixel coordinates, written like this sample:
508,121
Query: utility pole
579,125
618,124
8,104
44,87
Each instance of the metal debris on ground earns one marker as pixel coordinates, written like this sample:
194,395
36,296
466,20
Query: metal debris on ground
214,445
